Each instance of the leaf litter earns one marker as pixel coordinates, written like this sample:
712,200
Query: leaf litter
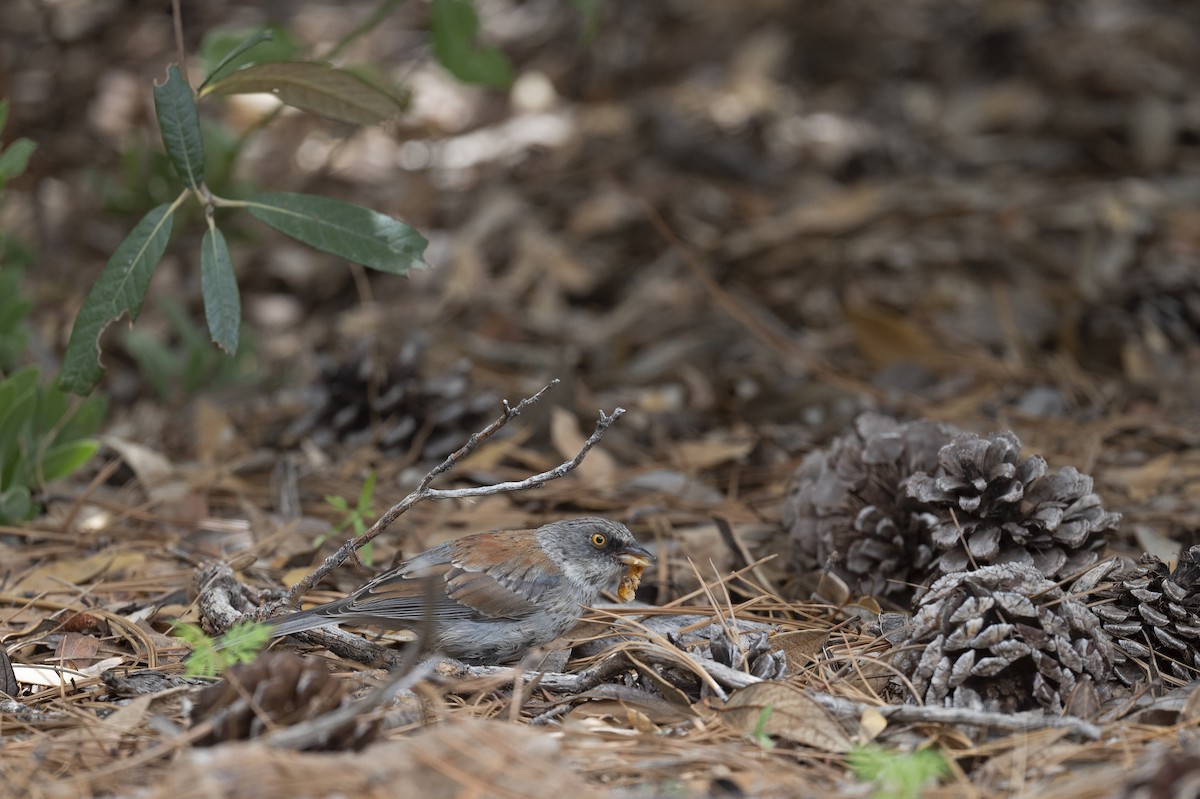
747,229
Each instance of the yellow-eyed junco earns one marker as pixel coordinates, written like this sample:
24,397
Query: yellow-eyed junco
496,594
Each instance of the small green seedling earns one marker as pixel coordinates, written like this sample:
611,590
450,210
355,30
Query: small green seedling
210,657
355,518
898,775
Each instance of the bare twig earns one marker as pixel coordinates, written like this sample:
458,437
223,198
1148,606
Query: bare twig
177,20
423,492
928,714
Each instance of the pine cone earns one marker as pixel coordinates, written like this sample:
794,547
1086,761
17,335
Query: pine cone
1004,638
994,506
1153,613
1149,320
753,654
847,510
360,400
277,690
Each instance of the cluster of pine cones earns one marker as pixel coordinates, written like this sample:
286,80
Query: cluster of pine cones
999,559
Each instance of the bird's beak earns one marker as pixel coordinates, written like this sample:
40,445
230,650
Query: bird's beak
635,555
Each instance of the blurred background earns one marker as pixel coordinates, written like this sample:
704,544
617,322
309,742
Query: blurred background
744,221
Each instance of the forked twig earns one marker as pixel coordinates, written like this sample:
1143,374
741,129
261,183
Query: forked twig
423,492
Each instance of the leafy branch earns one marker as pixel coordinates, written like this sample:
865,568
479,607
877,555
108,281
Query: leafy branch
357,234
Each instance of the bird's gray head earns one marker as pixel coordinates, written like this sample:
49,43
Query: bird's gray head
592,550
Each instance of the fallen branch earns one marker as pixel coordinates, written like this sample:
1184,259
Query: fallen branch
423,492
929,714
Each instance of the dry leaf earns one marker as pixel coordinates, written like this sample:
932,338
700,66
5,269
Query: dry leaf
833,589
1191,708
157,476
1155,543
491,454
598,469
699,455
801,647
886,337
870,725
93,745
60,575
792,715
75,648
48,676
217,440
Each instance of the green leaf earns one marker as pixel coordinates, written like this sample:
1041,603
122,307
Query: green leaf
15,158
350,231
156,363
225,49
244,640
120,289
16,505
179,125
84,420
3,113
62,459
218,284
18,405
320,89
454,26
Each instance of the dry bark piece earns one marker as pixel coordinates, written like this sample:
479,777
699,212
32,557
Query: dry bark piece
1004,638
847,510
1153,614
277,690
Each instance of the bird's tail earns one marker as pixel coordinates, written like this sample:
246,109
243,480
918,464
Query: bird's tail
309,619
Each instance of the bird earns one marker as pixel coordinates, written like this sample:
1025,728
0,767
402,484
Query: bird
495,595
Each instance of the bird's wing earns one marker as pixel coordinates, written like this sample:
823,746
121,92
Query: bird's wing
493,576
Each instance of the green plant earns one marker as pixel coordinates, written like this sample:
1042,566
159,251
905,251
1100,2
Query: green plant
14,257
454,25
340,228
45,434
240,644
356,518
897,775
760,735
14,308
204,156
189,364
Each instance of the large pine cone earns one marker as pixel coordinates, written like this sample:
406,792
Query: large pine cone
1153,613
994,506
277,690
1003,638
847,510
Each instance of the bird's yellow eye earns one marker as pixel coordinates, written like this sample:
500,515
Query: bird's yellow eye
599,540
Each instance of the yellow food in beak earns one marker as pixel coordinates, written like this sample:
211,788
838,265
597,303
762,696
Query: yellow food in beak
631,580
